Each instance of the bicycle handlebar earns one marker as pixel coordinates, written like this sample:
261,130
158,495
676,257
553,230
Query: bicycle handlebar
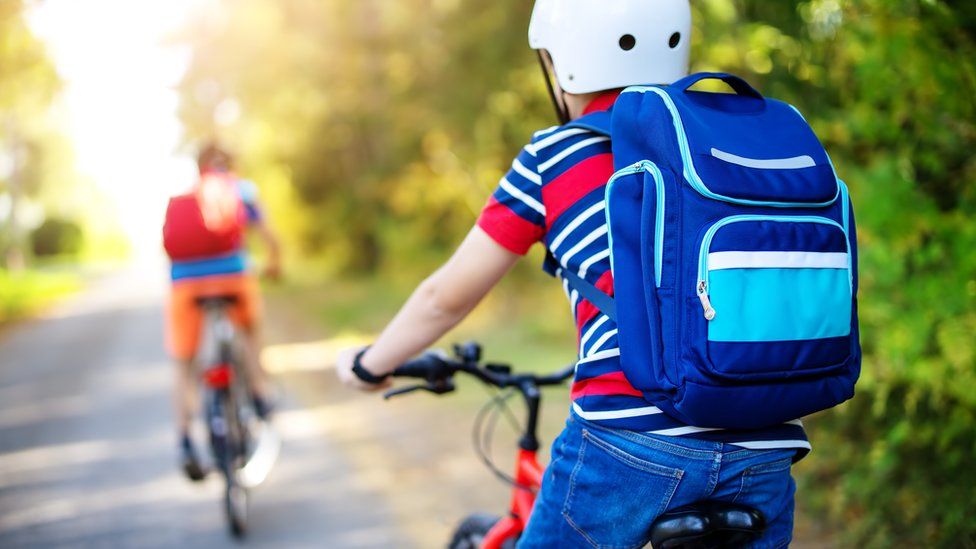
438,369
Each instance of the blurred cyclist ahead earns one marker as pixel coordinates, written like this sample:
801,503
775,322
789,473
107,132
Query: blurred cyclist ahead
204,237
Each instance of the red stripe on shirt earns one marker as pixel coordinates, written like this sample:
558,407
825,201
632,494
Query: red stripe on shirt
614,383
509,229
567,189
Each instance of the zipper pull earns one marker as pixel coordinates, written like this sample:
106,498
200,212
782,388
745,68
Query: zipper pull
706,303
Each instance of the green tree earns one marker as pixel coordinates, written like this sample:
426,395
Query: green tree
29,86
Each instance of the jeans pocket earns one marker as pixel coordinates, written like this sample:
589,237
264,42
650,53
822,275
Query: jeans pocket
614,496
764,481
768,488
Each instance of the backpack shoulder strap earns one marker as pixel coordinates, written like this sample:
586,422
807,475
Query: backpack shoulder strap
591,293
598,122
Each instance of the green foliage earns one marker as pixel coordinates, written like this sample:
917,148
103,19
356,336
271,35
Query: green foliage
36,164
379,128
29,80
56,237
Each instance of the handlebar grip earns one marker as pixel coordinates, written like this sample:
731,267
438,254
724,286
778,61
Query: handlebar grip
426,366
415,368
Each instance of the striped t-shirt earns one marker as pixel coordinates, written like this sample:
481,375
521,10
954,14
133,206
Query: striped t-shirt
554,194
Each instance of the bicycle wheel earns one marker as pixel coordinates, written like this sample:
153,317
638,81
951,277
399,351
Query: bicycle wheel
235,506
472,531
235,495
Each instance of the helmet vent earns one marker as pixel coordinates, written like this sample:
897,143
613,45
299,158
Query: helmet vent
627,42
674,40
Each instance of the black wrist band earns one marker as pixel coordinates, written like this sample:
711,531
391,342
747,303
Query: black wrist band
363,374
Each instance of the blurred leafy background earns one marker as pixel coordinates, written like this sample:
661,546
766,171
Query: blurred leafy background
50,216
377,129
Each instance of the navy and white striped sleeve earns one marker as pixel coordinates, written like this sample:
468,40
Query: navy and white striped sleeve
515,215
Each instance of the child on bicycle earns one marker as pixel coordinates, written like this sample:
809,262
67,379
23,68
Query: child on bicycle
620,463
210,275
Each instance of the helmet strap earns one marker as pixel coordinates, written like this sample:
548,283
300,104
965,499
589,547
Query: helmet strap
562,111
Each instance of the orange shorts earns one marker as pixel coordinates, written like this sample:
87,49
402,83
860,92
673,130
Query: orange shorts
184,318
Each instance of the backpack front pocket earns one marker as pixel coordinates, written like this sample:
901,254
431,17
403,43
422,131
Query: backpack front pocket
776,296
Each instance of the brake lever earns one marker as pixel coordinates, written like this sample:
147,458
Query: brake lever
402,391
442,386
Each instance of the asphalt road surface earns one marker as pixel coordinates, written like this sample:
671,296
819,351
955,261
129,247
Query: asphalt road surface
87,449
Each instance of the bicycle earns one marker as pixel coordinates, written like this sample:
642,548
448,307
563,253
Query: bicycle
702,525
234,427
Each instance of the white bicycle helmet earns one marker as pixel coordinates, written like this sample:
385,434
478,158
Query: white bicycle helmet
598,45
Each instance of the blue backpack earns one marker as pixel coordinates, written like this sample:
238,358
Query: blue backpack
733,253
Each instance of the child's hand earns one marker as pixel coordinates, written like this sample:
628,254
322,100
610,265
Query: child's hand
344,364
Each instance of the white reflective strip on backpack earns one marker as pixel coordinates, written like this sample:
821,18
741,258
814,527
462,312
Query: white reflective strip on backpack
794,163
718,261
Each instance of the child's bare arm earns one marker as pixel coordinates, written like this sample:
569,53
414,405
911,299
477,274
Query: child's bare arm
437,305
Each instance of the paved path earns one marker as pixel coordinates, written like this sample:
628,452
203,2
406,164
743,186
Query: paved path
87,453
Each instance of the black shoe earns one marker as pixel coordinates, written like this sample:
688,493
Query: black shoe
191,463
262,407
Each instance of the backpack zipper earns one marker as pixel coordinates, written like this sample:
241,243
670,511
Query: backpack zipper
651,168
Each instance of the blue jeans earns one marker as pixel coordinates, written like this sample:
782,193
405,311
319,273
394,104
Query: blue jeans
605,487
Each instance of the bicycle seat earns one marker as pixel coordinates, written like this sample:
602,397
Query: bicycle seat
707,524
216,300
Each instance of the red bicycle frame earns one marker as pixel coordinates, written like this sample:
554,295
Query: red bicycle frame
528,476
437,372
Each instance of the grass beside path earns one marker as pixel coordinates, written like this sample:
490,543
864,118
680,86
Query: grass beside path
25,293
